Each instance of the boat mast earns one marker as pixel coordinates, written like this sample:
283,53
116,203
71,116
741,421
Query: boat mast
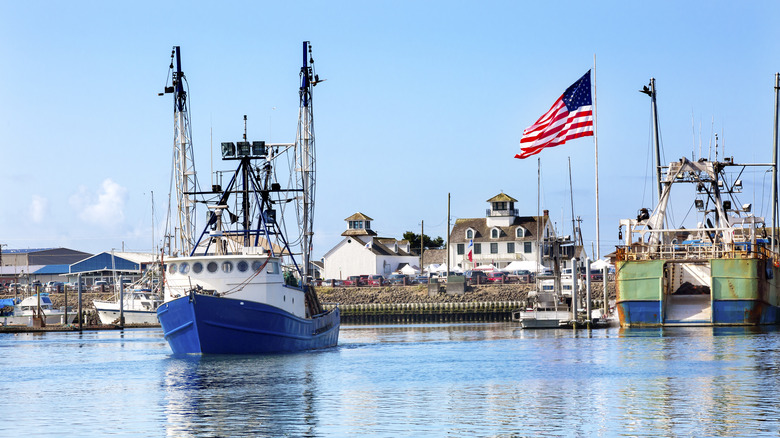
656,143
184,164
774,162
304,147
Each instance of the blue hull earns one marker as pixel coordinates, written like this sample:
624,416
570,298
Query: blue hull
724,312
206,324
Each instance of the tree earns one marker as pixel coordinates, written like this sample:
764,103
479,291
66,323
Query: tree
428,243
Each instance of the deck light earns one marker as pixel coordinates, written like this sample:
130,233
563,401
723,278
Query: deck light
228,149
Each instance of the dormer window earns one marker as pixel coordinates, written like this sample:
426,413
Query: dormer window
469,234
494,233
520,232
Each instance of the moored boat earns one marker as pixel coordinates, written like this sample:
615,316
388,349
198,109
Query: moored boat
31,307
140,307
239,288
724,271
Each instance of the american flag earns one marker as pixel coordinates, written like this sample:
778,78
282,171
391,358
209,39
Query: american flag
570,117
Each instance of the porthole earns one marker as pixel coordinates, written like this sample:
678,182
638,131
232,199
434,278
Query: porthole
227,267
172,268
257,265
212,267
184,268
197,267
242,266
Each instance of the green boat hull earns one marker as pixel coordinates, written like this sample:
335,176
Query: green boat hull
736,292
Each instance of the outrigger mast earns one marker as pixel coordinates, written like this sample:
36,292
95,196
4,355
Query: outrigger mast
305,159
183,157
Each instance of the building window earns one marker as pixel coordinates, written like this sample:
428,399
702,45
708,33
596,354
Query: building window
520,232
494,233
527,248
469,234
499,206
477,248
494,248
461,249
368,225
510,247
355,225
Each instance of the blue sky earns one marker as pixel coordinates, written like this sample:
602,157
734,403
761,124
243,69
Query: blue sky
422,99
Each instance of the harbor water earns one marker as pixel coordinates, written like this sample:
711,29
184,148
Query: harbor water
474,379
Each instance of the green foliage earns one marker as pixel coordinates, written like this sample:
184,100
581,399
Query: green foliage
414,241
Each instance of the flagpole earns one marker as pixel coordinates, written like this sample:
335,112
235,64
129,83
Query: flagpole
605,269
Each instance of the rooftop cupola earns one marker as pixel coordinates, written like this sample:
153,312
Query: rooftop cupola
502,212
358,225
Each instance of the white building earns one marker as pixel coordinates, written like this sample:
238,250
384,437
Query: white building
500,238
361,252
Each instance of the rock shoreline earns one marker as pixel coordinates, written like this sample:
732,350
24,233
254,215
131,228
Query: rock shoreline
375,295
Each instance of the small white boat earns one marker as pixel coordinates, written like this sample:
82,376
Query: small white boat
548,311
25,310
140,307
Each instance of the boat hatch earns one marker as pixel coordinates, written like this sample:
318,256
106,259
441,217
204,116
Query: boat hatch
687,293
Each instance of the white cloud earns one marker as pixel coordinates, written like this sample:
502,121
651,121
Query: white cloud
38,208
104,208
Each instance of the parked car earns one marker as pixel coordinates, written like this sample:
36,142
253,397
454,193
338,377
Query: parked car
356,280
54,287
476,277
521,276
496,277
398,279
421,279
99,286
376,280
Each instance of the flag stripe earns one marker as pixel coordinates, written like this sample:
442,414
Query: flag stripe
570,117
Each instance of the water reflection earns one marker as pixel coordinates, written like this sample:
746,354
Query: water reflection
256,396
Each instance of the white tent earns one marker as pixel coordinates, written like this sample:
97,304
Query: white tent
521,265
487,268
410,270
600,264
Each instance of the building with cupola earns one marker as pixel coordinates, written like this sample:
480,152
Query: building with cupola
503,236
363,252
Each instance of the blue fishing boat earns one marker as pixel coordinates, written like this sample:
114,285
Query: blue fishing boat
239,287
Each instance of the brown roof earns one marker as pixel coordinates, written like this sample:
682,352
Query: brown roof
502,197
358,217
482,230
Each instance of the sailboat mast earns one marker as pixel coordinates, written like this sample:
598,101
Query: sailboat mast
306,158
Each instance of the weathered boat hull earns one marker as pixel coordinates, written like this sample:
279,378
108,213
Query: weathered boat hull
739,292
203,324
109,316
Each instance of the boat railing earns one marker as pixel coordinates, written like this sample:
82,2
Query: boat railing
693,251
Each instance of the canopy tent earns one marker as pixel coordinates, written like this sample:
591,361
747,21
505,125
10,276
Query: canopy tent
522,265
600,264
408,269
487,268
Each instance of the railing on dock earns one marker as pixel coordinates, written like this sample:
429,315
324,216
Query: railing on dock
427,312
693,251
